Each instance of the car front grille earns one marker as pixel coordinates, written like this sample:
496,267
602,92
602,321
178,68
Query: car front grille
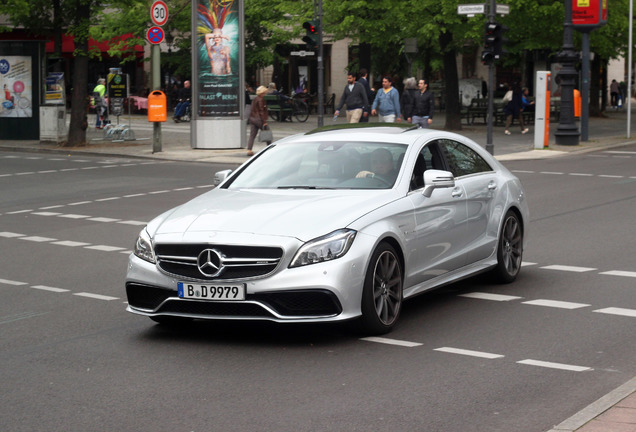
238,262
299,303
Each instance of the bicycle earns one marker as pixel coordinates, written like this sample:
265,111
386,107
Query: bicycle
300,109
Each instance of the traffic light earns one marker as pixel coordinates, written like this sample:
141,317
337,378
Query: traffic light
311,34
494,41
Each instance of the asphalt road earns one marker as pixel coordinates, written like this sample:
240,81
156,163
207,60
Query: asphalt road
470,357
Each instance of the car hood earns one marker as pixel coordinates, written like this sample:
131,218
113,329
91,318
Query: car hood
302,214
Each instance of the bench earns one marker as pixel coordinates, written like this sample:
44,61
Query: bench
278,109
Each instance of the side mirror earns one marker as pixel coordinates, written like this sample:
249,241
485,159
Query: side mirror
220,176
434,179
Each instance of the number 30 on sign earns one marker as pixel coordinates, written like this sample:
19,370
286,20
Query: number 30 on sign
159,13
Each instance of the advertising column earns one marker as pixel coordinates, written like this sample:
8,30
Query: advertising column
217,49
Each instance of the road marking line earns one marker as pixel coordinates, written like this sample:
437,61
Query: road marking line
103,219
80,203
69,169
70,243
11,282
90,168
551,172
183,189
391,341
104,248
107,199
610,176
48,288
523,171
569,268
23,315
96,296
489,296
555,365
134,195
47,171
73,216
24,173
46,213
581,174
10,234
133,222
20,211
619,273
556,304
469,353
158,192
38,239
618,311
50,207
620,152
526,263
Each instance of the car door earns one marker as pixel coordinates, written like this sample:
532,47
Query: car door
440,222
480,184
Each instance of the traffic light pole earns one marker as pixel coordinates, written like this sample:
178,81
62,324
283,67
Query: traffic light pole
490,147
321,70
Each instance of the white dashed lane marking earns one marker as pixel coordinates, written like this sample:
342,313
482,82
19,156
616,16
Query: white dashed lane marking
469,353
57,290
568,268
551,365
489,296
391,341
618,311
556,304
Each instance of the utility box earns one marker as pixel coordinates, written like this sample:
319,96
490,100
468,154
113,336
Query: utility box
53,111
157,106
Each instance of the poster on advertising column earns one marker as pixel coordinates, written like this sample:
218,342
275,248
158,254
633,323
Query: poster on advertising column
217,51
17,90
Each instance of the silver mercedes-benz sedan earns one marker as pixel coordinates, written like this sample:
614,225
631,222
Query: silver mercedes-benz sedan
332,225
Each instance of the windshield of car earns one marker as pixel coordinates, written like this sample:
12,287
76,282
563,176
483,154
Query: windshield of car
324,165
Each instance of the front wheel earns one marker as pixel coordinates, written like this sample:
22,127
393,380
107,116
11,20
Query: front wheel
382,292
509,249
301,111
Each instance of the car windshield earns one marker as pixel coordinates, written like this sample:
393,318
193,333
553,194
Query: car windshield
324,165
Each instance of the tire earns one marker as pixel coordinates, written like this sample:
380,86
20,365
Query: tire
382,291
301,111
274,115
509,249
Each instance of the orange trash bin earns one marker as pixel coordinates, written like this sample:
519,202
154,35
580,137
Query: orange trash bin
157,106
577,103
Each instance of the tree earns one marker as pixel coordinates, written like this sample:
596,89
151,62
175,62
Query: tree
67,16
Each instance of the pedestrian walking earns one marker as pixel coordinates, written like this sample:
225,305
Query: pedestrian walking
615,94
101,110
258,118
514,109
423,106
355,97
387,103
363,80
408,98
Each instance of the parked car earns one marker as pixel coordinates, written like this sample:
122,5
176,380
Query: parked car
314,229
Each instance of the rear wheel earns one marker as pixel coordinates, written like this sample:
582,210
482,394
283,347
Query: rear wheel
301,111
382,292
509,249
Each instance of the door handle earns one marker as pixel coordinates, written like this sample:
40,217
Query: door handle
456,193
492,186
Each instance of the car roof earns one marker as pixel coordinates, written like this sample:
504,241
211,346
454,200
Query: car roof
369,132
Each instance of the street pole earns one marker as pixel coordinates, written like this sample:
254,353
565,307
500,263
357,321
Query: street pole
585,86
321,70
567,133
490,147
156,85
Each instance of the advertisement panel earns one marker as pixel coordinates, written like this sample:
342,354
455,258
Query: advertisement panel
589,13
217,51
17,87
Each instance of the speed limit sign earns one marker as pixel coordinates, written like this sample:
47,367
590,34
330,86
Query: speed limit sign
159,13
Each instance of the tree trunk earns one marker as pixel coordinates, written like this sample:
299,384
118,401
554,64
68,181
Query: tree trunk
79,111
595,87
453,119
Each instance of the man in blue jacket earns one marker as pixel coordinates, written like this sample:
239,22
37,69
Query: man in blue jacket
387,103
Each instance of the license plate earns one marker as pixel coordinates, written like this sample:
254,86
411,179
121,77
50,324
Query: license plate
211,292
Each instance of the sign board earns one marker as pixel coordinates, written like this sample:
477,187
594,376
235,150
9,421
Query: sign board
502,9
155,35
159,13
589,14
117,86
471,9
302,53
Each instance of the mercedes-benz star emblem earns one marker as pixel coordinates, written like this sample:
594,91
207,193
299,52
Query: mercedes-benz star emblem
210,262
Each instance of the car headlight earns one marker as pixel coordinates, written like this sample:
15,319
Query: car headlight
143,247
329,247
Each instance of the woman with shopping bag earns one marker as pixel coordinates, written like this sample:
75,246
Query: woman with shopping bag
258,119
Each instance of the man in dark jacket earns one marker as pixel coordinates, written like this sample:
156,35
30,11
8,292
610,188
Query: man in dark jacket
355,97
185,95
423,106
365,83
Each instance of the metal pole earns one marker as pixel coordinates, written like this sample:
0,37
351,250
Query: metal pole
156,85
585,87
321,70
490,147
629,71
567,133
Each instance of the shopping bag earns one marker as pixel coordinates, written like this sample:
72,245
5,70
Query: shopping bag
265,135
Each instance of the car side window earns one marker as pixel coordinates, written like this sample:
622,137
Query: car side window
462,160
428,158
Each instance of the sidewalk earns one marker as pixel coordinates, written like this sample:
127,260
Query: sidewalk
175,144
615,412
